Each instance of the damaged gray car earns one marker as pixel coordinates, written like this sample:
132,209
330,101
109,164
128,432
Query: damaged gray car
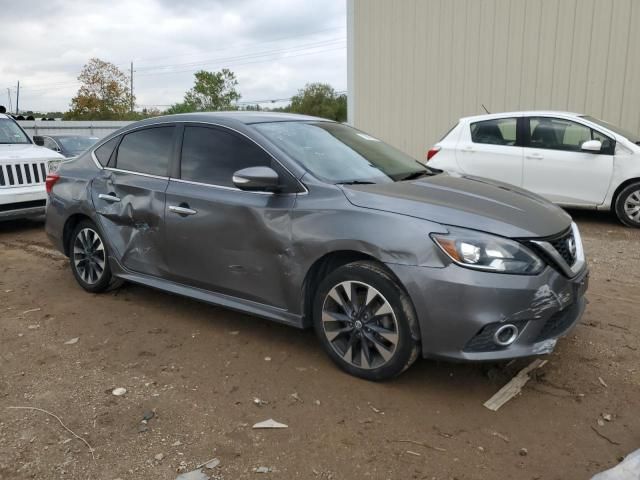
313,223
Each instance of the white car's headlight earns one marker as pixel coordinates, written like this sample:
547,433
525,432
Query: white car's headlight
483,251
53,165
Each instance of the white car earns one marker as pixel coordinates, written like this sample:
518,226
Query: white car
23,171
572,160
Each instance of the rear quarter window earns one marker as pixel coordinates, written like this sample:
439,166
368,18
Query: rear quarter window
103,152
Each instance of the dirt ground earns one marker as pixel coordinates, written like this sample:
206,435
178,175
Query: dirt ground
199,368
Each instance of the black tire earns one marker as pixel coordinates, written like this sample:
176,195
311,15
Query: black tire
96,278
631,193
366,359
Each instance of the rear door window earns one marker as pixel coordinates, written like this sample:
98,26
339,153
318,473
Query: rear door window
213,155
498,131
146,151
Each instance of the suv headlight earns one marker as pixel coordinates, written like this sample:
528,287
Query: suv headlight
483,251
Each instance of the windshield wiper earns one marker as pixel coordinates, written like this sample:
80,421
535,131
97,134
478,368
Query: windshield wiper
418,174
356,182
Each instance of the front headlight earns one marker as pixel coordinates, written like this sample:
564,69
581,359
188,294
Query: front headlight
482,251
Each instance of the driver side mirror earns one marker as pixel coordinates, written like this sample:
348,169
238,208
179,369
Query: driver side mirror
257,179
593,146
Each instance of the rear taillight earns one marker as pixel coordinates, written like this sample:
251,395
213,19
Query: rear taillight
51,180
431,153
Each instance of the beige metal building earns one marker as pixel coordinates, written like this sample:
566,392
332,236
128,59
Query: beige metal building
416,66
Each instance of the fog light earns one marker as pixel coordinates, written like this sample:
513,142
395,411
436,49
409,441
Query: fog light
505,335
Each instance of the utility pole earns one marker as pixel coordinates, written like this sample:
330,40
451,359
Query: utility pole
18,98
131,88
10,102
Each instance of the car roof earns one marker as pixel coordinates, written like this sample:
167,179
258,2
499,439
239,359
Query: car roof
231,118
524,113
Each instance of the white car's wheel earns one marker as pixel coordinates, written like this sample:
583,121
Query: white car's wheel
628,205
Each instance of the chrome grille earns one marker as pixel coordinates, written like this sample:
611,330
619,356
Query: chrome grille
23,174
563,251
562,246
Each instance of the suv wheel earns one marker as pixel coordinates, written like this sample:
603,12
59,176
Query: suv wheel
628,205
366,322
89,259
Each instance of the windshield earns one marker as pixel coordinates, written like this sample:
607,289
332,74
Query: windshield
10,132
77,144
632,137
337,153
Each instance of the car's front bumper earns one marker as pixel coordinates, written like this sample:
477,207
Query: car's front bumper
459,308
21,202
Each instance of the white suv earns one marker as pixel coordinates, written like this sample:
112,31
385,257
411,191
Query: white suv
23,171
572,160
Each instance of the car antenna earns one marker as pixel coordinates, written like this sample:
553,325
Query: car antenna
485,108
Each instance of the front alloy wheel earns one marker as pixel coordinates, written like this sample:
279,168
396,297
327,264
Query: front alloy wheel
365,321
360,324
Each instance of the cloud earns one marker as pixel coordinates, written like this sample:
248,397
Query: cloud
274,46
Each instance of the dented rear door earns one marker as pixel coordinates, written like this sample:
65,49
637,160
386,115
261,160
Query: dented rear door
130,195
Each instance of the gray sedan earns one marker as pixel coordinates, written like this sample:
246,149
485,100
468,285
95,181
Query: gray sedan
313,223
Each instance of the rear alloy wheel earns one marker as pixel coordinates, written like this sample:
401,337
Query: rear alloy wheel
89,259
89,256
366,322
628,205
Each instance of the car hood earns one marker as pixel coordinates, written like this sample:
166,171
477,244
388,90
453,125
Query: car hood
465,201
12,152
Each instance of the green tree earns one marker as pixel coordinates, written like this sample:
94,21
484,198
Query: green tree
181,107
104,93
319,100
211,91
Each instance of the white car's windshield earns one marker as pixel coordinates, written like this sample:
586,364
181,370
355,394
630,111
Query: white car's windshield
632,137
10,132
337,153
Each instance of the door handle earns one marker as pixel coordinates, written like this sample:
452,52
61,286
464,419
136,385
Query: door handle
182,209
468,149
108,197
535,156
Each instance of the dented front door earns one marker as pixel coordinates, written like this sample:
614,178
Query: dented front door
130,209
229,241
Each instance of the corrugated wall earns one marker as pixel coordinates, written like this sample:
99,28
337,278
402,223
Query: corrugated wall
419,65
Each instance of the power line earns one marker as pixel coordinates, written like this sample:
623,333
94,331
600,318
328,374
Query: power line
275,100
258,57
236,64
243,45
249,55
274,54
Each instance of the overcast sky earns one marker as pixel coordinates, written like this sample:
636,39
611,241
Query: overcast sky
273,46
